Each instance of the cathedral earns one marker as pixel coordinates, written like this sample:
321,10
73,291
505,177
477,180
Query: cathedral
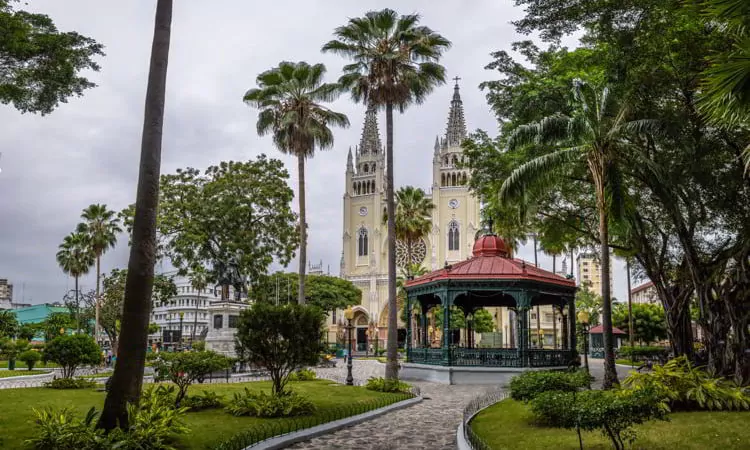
455,219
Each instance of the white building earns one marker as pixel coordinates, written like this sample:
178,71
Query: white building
192,305
645,293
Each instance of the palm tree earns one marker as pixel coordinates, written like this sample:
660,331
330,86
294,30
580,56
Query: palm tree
726,87
592,138
395,65
198,281
290,99
127,380
75,258
100,227
413,221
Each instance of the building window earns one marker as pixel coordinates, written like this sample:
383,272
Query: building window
453,236
362,242
233,321
218,321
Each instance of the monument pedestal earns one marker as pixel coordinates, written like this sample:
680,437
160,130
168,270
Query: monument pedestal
223,319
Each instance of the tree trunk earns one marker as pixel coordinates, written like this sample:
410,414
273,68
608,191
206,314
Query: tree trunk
391,367
127,380
78,307
631,332
610,371
302,229
195,318
97,302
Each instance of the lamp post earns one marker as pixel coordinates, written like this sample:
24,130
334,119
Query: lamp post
182,315
583,318
349,315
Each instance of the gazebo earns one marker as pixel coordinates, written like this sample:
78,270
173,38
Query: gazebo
596,340
489,279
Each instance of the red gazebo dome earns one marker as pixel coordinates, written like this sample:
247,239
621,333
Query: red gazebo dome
490,245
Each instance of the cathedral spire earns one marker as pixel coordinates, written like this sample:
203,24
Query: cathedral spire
456,130
349,161
370,141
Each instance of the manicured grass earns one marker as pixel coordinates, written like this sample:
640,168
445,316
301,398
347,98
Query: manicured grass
509,425
96,375
22,365
209,427
20,373
627,362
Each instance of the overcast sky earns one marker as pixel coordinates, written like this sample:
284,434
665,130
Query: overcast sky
87,151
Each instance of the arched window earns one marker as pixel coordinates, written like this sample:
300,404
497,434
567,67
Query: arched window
445,161
464,179
366,168
373,167
362,242
455,160
453,236
454,182
442,179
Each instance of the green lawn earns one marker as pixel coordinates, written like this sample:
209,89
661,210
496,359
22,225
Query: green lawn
22,365
20,373
209,427
509,425
96,375
627,362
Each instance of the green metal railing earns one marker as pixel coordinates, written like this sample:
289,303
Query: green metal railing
489,357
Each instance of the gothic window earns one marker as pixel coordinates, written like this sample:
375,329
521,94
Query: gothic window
373,167
455,160
463,179
445,161
442,179
366,168
362,242
453,180
453,236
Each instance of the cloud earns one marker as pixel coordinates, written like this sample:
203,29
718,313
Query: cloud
87,151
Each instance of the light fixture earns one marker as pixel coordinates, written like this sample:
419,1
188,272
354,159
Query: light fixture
349,313
583,317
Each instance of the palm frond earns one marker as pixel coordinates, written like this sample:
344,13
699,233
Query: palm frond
531,172
549,130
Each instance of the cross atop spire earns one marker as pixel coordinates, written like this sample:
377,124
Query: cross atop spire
456,130
370,141
456,79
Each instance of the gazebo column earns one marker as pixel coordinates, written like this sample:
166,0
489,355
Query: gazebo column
523,335
408,325
572,324
564,321
423,324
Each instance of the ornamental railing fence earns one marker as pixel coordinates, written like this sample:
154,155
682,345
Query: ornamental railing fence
472,408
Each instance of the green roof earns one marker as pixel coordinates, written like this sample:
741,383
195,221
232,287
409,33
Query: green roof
37,313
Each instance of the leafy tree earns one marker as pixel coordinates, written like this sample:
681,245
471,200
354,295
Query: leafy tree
280,338
184,368
290,98
30,357
648,321
11,349
8,323
75,258
26,332
236,209
413,220
592,137
326,292
56,324
587,300
199,282
395,65
71,352
113,300
41,65
482,321
99,228
127,381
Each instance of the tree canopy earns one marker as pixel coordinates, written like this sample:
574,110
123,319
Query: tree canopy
326,292
234,210
649,323
41,65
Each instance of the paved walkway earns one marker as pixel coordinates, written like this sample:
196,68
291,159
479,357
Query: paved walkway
430,424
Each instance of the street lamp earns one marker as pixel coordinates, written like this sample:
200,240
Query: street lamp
349,315
583,318
182,315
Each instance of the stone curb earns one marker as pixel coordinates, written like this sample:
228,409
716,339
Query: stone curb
26,377
286,440
461,442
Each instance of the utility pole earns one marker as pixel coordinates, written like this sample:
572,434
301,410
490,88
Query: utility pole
630,304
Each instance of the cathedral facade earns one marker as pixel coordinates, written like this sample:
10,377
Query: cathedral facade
455,219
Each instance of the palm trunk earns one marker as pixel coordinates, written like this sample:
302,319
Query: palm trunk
195,318
631,332
302,229
127,380
78,307
610,372
391,367
97,302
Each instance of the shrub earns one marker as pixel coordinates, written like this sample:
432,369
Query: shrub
11,349
687,387
264,405
280,338
70,383
207,400
387,385
643,353
303,375
554,409
61,430
184,368
158,394
528,385
72,351
30,357
199,346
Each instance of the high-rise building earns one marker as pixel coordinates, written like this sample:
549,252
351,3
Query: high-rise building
6,294
590,272
455,218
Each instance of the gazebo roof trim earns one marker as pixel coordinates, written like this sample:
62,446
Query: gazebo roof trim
497,267
600,329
